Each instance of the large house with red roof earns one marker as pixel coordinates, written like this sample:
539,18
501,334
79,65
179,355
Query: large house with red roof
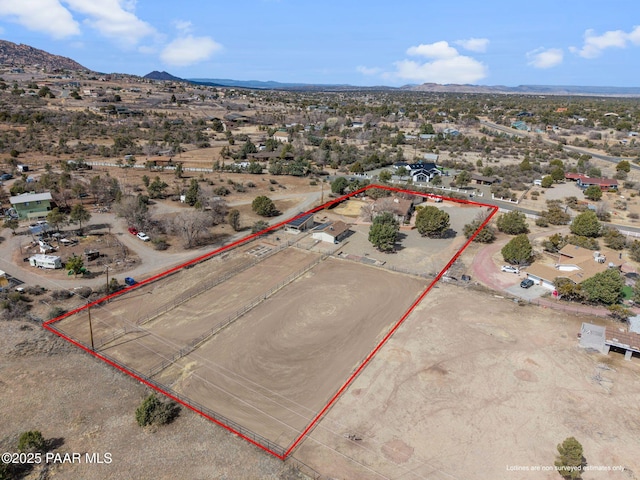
584,181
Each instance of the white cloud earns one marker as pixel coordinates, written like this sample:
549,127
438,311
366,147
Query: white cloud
594,44
541,58
446,65
433,50
114,19
368,70
47,16
188,50
474,44
184,26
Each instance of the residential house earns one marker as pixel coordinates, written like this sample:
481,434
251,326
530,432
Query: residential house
584,181
331,232
484,180
31,205
401,208
281,136
574,263
419,172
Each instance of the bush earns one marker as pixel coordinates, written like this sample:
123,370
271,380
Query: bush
160,243
55,312
153,411
31,441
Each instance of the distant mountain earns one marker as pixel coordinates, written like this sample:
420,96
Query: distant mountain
526,89
156,75
19,55
271,85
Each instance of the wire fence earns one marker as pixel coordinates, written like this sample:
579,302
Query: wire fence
189,294
196,342
205,411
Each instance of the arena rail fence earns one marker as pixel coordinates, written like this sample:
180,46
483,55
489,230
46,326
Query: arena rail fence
198,341
208,413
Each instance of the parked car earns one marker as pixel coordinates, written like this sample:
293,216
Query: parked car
526,283
509,269
129,281
143,236
6,176
133,230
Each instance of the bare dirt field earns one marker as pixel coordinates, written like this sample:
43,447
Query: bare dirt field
473,386
275,367
82,405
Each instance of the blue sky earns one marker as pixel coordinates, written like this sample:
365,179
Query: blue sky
543,42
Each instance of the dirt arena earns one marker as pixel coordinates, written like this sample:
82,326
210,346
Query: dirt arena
473,387
275,367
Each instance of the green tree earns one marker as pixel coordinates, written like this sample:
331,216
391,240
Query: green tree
463,179
486,235
339,185
234,219
191,197
614,239
556,216
259,226
384,232
56,218
513,223
432,222
568,290
547,181
79,214
634,251
153,411
604,287
254,168
437,180
593,192
75,264
586,224
518,251
557,174
178,171
32,441
156,188
623,166
264,206
570,460
384,176
12,223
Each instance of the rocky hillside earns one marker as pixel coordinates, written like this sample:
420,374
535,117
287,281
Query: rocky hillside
24,55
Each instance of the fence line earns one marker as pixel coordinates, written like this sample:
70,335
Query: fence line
198,341
250,434
209,285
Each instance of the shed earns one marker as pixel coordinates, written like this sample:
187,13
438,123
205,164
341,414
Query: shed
331,232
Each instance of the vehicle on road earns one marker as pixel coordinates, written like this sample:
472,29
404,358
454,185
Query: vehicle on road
526,283
133,230
509,269
143,236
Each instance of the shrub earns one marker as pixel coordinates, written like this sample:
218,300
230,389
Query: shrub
31,441
153,411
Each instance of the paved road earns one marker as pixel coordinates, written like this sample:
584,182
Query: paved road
571,148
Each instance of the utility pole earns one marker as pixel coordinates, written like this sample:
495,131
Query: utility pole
90,326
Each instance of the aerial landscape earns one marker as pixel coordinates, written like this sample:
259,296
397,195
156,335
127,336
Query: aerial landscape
319,242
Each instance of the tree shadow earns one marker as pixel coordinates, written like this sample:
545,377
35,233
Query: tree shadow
54,443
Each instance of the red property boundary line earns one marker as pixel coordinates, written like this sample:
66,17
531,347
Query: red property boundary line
49,324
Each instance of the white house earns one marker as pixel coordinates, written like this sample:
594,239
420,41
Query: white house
331,232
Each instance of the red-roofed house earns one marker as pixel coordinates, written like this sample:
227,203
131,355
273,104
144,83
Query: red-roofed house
584,181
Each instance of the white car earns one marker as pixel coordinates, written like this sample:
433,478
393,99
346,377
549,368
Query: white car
143,236
509,269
